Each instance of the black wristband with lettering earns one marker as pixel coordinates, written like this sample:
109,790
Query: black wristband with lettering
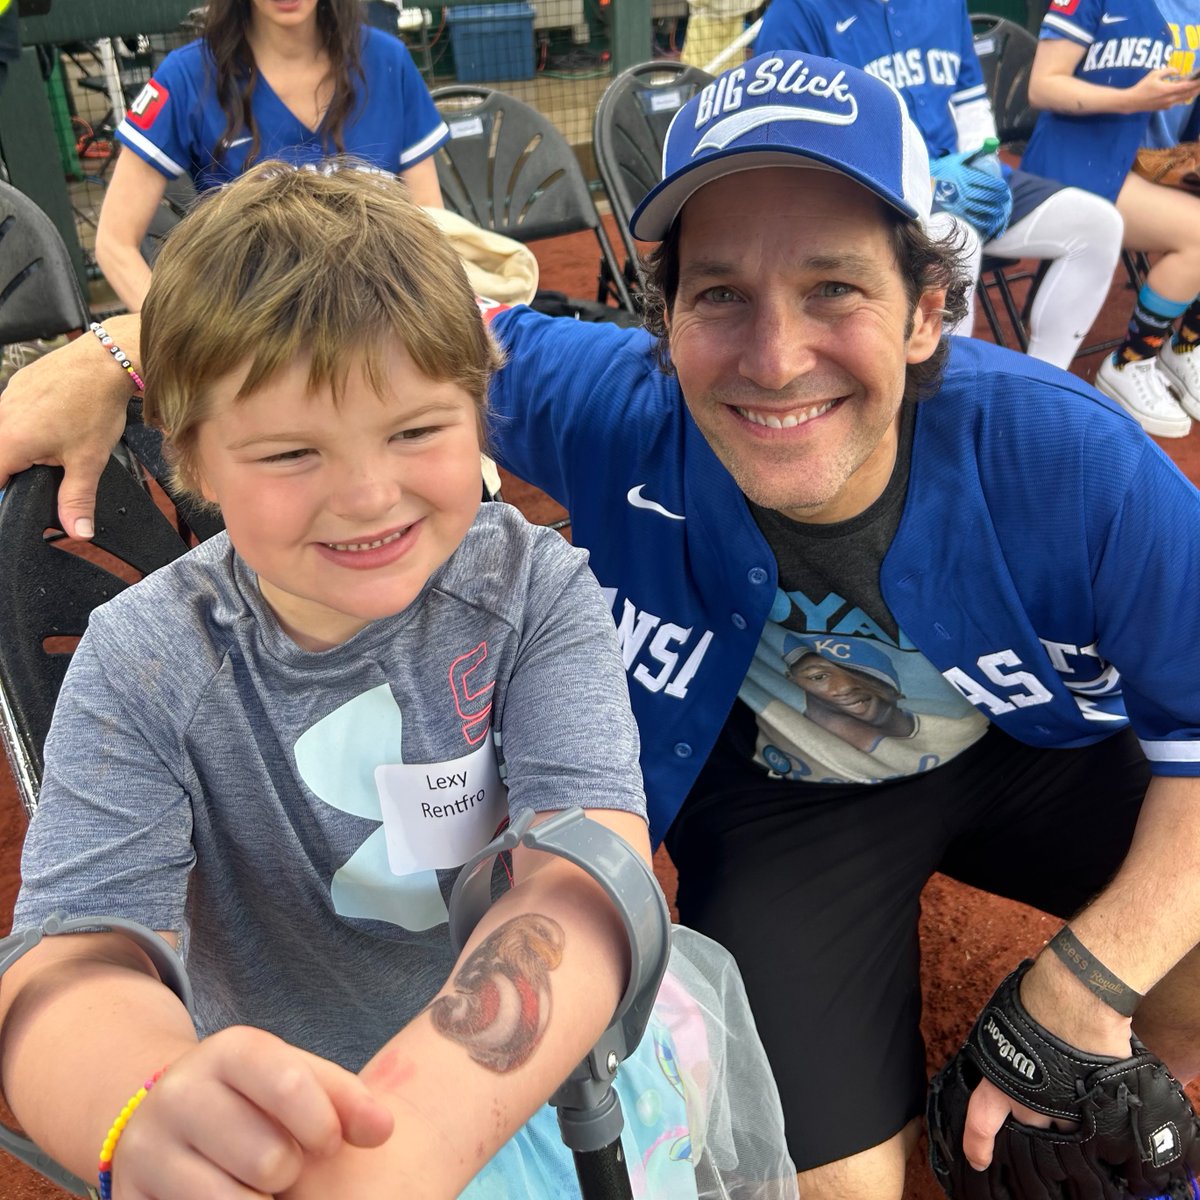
1094,975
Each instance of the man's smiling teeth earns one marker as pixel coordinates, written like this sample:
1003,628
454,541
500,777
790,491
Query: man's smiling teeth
787,422
391,537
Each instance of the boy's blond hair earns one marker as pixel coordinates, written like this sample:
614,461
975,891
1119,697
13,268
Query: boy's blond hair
285,262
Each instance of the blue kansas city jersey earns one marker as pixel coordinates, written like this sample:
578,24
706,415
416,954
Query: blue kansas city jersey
923,48
176,123
1043,561
1121,40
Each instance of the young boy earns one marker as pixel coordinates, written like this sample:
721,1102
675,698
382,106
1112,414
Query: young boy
278,749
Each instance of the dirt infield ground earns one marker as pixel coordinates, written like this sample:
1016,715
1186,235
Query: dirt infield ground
969,940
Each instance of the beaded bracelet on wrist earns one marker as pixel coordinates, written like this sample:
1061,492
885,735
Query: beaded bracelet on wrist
121,357
109,1146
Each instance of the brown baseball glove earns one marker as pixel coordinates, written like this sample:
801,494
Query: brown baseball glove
1178,166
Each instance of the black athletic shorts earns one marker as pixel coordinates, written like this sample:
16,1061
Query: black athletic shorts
1028,191
815,891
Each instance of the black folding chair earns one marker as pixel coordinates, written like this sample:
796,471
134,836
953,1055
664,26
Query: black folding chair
39,292
631,125
1005,52
48,592
50,589
507,168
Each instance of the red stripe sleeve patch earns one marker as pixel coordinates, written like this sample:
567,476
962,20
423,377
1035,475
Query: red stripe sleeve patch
148,104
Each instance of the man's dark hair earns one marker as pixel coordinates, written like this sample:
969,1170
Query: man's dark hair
925,264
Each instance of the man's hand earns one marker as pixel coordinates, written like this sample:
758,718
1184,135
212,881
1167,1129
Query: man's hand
1053,998
1110,1124
987,1110
242,1108
68,410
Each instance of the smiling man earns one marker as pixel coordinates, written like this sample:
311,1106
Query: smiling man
802,454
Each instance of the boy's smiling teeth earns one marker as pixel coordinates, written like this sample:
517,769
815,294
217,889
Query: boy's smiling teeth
391,537
789,420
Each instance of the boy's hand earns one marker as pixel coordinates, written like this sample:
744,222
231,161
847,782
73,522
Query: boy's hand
68,410
235,1117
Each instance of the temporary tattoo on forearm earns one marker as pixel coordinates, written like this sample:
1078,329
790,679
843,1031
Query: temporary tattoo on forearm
501,1005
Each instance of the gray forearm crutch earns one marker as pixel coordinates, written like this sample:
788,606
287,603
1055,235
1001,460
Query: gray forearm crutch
170,970
589,1111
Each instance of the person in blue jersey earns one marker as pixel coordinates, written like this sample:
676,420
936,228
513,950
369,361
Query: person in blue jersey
1102,69
797,451
295,80
925,49
1181,122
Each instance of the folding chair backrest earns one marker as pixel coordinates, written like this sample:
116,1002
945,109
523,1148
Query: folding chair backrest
47,592
631,125
39,292
507,168
1006,51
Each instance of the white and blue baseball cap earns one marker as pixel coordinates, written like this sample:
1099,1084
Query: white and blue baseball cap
786,108
851,654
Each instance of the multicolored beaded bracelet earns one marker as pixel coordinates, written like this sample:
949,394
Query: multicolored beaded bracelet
109,1148
117,353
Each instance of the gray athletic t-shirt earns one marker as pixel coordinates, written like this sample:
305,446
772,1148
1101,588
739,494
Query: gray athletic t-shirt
298,816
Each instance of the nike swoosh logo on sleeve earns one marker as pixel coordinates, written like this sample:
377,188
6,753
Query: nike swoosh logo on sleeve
637,500
842,26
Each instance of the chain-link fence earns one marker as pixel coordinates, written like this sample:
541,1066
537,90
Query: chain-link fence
91,84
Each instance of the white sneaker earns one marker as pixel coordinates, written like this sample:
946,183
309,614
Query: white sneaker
1141,389
1182,368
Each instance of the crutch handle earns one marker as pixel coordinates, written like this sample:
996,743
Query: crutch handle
588,1111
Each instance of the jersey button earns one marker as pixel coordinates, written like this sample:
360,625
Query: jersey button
756,575
683,750
739,622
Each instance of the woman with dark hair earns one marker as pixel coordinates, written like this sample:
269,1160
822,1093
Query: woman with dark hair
291,79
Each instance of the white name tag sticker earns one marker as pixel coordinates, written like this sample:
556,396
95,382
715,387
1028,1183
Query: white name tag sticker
437,815
666,101
466,127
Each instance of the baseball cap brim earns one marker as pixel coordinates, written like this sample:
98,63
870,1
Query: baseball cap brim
653,218
795,656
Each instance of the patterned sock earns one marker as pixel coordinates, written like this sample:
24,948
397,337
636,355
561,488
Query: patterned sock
1153,316
1189,327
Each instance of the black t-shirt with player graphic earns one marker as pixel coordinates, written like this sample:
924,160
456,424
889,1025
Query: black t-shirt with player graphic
836,693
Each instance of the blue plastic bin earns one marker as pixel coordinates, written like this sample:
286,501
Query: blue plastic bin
491,41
